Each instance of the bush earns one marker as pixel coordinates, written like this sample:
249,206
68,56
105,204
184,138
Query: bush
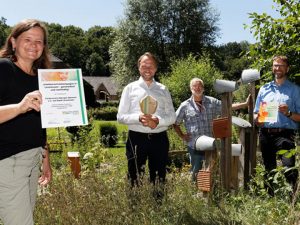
76,132
108,134
102,196
107,113
111,103
175,141
183,70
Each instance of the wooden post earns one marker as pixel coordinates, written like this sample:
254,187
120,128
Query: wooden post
74,161
226,142
234,172
253,133
244,170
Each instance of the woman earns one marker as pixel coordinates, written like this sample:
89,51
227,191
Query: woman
22,139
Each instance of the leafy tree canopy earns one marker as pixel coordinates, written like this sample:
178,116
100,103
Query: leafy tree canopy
169,29
95,65
3,31
82,49
183,70
277,36
230,58
99,40
67,43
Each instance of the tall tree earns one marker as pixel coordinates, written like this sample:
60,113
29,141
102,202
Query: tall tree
183,70
167,28
230,59
95,65
68,43
87,50
98,41
277,36
3,31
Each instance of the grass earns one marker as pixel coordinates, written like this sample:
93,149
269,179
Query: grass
102,196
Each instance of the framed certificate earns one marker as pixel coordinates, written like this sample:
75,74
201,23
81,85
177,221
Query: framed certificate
63,98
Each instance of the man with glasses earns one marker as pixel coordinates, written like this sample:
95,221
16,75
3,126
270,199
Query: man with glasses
279,134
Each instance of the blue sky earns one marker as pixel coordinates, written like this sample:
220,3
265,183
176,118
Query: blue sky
87,13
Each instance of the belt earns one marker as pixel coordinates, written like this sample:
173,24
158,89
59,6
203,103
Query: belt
276,130
148,135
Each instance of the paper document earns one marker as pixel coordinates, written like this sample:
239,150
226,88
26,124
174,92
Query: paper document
268,112
63,98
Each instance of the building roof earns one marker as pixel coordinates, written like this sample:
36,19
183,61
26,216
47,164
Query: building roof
98,82
106,84
57,63
54,58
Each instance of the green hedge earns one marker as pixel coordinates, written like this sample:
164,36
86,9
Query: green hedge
108,134
108,113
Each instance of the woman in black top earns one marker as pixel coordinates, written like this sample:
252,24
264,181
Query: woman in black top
22,139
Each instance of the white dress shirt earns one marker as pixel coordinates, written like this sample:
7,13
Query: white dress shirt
129,107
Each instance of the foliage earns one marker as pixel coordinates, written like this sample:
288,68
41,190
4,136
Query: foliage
122,130
178,157
121,64
242,93
105,113
108,134
86,50
105,198
110,103
176,143
95,65
277,36
98,41
231,59
79,49
87,143
3,31
262,184
183,70
93,157
102,194
67,43
78,133
183,27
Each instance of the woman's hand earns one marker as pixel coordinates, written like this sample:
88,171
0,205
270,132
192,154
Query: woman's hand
46,176
31,101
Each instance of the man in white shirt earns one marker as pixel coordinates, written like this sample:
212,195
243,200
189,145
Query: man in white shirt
147,136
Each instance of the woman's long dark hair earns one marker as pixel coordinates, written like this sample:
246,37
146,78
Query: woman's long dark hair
8,52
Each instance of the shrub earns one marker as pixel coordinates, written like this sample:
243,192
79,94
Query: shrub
103,196
108,134
175,141
183,70
107,113
111,103
76,132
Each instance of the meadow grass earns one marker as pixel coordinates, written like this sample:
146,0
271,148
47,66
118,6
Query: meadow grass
102,196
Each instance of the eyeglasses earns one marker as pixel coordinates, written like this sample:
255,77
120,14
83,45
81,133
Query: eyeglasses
279,65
